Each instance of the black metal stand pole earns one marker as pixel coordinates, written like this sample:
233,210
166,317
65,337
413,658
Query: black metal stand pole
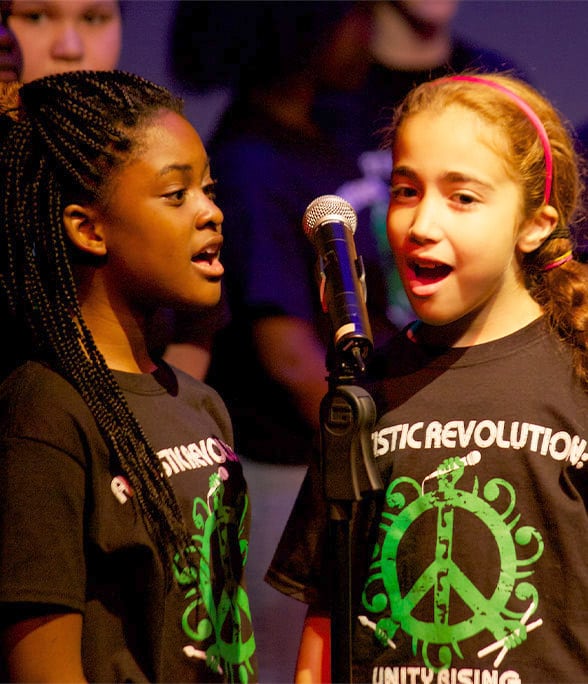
349,474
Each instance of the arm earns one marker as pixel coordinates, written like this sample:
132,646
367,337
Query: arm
292,354
46,648
314,656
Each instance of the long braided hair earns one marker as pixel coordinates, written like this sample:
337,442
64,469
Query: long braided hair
562,292
70,133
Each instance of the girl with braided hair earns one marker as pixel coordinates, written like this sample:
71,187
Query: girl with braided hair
124,514
471,566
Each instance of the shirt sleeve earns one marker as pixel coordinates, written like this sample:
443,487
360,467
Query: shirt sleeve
300,562
43,433
41,517
301,566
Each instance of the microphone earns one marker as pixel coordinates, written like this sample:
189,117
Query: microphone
329,222
472,458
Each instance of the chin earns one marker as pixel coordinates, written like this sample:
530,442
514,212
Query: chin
435,320
209,300
200,301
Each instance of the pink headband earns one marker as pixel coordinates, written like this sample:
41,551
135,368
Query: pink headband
533,118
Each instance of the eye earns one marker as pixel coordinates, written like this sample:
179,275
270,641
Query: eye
32,16
176,197
402,193
97,18
464,198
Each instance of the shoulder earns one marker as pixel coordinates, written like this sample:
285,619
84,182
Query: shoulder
255,141
37,403
241,163
37,386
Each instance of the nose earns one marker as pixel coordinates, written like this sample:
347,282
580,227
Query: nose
212,216
68,44
425,225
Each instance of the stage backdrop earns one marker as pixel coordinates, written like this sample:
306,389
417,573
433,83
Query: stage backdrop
547,38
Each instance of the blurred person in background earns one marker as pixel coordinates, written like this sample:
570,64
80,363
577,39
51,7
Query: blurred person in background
66,35
411,41
273,158
312,84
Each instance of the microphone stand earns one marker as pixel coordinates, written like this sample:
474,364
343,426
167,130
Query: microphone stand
347,416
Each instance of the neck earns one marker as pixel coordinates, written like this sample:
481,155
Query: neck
122,342
397,44
119,334
475,328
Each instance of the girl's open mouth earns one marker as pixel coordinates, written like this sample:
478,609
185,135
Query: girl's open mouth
430,270
424,276
208,261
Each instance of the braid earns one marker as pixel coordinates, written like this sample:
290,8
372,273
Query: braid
74,131
562,293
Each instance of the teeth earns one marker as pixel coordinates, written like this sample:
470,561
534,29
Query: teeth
206,255
427,265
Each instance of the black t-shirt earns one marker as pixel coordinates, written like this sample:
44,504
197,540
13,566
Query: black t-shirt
482,453
72,538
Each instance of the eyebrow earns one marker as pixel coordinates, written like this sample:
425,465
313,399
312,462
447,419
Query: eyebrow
448,177
404,171
182,168
170,168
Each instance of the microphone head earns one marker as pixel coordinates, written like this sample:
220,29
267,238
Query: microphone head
328,208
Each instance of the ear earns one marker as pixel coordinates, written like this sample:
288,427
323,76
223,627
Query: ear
83,229
537,229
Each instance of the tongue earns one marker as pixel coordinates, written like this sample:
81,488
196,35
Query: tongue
211,265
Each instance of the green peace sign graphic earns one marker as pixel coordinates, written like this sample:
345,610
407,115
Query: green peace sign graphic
443,582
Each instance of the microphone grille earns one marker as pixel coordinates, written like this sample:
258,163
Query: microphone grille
328,207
